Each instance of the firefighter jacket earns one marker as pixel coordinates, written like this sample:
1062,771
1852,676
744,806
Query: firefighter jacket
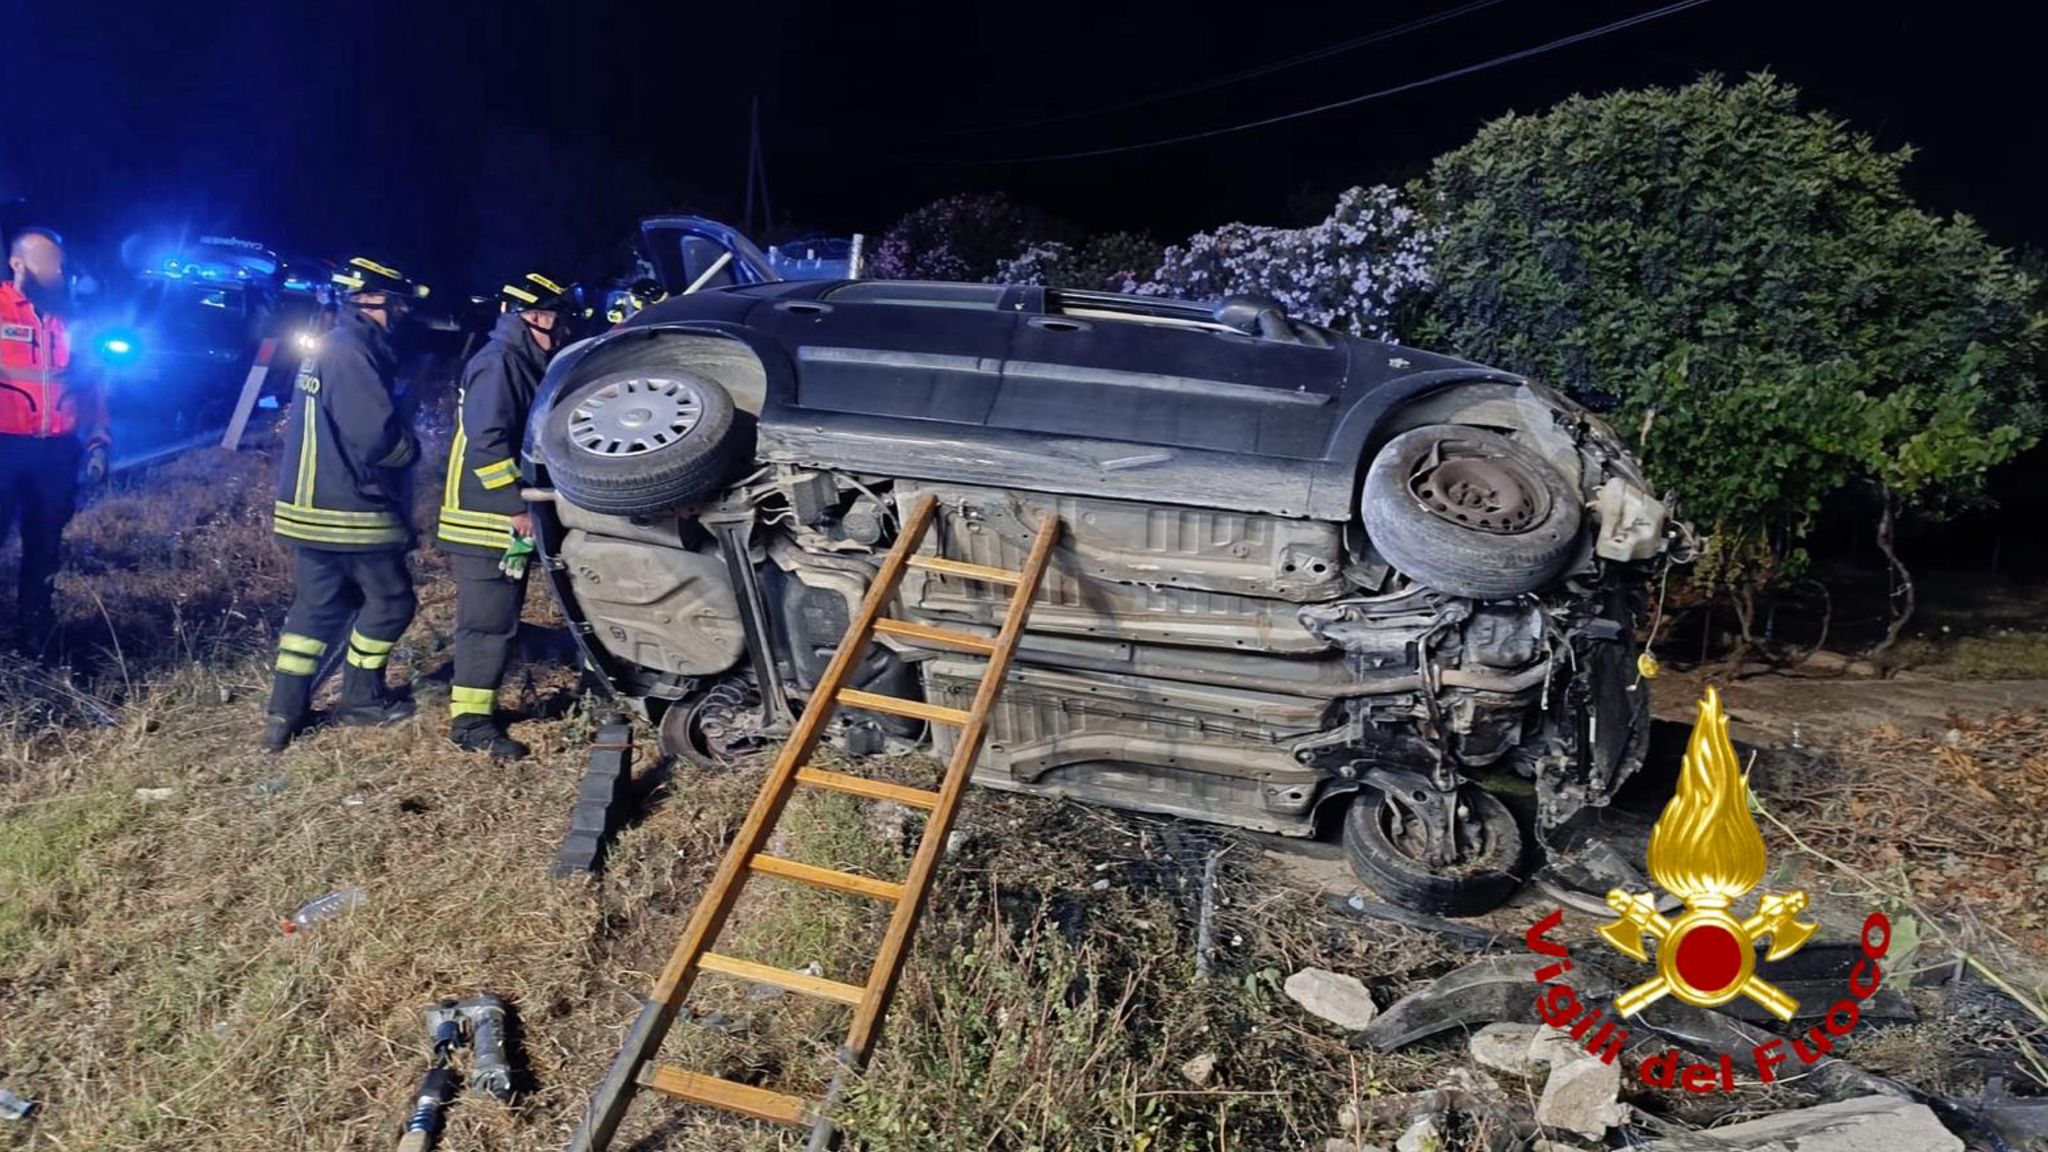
481,493
341,483
38,396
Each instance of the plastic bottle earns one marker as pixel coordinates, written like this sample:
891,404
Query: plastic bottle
332,904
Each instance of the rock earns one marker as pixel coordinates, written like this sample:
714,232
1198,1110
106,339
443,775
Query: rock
1198,1070
1332,996
1580,1096
1549,1046
1506,1048
1864,1124
1421,1136
1553,1146
155,795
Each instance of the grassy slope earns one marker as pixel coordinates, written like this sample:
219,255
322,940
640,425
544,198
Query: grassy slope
149,999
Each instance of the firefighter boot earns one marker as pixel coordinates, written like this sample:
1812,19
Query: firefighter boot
289,697
366,702
483,734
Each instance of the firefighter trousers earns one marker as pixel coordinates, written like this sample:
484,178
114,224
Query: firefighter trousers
327,587
487,605
39,491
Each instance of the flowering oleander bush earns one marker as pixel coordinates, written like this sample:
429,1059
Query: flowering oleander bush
1112,262
1365,269
963,237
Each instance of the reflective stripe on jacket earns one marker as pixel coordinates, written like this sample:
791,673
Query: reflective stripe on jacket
480,494
37,396
347,447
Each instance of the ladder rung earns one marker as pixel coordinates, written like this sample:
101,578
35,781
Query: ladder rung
961,568
932,637
898,706
817,877
760,1103
872,789
802,982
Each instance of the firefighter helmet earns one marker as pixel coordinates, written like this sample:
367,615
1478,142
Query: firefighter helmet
535,292
362,276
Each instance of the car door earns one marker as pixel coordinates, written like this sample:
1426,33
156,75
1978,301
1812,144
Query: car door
692,254
1116,368
902,349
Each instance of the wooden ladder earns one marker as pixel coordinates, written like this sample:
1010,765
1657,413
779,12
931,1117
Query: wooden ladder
633,1069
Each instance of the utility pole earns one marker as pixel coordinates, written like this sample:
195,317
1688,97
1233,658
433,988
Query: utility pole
757,175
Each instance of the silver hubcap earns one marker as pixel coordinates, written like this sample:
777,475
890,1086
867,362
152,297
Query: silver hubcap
635,416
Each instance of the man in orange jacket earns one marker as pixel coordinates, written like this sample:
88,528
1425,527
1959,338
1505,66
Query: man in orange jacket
49,421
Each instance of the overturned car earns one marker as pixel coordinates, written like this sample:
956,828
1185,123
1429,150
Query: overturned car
1305,579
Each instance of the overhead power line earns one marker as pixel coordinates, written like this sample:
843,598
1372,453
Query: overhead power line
1211,85
1396,90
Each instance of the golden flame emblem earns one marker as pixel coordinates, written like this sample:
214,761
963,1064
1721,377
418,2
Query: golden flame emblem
1706,851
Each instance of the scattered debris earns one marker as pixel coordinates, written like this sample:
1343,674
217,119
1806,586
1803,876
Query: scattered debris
1339,1144
270,787
352,802
155,795
2021,1120
1342,1000
1581,1095
1200,1070
14,1107
601,803
1205,915
1863,1124
1490,989
1421,1136
1506,1047
330,905
1463,935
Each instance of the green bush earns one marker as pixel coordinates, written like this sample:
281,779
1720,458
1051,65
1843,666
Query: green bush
1753,288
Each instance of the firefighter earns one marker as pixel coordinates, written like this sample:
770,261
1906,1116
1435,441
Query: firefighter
341,504
481,512
49,421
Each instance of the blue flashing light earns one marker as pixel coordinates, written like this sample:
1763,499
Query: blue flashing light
120,347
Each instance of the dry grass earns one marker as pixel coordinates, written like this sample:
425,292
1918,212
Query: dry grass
1952,824
149,999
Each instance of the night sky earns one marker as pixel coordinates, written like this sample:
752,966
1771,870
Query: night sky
464,140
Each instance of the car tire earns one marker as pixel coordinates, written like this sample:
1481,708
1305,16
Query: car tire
1477,885
640,440
1469,512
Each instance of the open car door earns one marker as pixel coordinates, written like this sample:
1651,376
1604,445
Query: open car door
691,254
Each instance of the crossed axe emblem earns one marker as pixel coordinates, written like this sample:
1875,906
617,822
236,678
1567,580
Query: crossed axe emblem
1696,951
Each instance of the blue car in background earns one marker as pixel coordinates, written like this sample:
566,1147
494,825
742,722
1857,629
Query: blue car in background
173,345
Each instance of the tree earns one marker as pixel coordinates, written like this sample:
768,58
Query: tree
1360,270
961,237
1755,291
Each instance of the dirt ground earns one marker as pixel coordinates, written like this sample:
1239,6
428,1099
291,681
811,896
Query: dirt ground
148,855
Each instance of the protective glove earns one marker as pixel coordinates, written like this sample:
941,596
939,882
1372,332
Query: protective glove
513,562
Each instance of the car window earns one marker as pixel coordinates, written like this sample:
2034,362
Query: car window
928,294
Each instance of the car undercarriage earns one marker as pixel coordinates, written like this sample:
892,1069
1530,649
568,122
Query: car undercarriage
1453,661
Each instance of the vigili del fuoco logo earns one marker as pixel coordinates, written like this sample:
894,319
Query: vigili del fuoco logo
1707,851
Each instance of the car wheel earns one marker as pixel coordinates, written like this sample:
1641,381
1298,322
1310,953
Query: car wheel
640,440
1469,512
1382,841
